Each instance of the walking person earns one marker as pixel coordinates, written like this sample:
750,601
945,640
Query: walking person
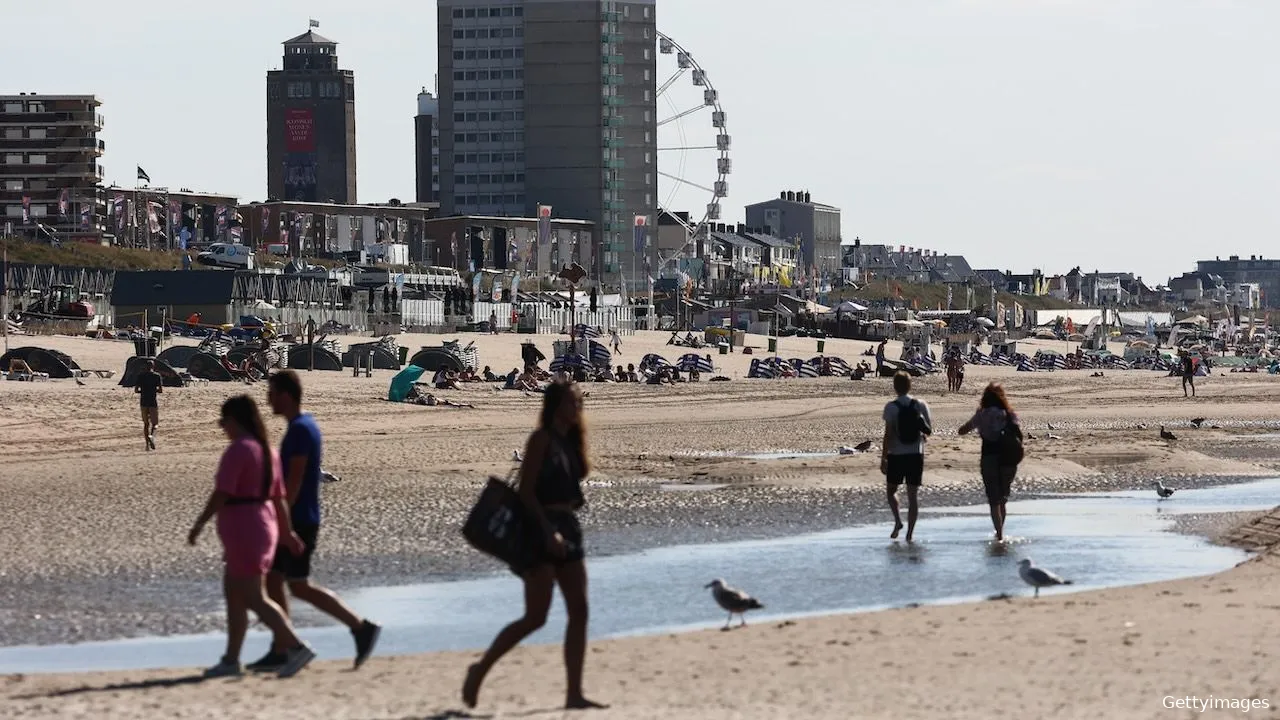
248,500
1188,366
300,456
615,341
907,425
555,462
148,386
996,424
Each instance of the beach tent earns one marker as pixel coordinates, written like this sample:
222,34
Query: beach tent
52,362
849,306
403,382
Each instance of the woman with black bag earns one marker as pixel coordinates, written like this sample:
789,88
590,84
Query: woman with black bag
555,462
1001,435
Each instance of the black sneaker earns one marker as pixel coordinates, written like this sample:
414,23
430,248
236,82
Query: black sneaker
366,637
271,662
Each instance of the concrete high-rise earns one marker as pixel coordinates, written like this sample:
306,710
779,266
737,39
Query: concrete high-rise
551,102
50,179
426,134
311,124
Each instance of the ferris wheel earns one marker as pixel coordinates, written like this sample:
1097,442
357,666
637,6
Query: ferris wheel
693,142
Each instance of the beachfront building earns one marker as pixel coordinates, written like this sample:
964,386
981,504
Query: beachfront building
733,265
328,230
488,242
794,215
426,148
552,103
1255,269
144,298
311,124
50,179
160,218
778,258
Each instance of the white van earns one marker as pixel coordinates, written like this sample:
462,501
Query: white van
227,255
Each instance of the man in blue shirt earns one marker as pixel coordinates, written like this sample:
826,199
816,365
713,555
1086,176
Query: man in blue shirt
300,454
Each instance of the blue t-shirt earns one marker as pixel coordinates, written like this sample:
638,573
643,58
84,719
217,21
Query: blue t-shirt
303,439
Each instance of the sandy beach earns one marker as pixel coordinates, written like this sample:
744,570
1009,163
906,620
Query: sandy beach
95,528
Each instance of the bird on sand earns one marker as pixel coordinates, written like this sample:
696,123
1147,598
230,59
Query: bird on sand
861,447
733,600
1197,421
79,382
515,456
1038,577
326,476
1162,491
1166,435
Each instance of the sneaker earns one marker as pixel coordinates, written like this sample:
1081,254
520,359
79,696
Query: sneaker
151,442
296,659
225,668
271,662
366,637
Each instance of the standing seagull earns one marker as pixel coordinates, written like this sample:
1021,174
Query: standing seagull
1166,435
1038,577
735,601
1197,421
1163,491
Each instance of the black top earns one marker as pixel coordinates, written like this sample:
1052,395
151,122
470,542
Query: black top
560,478
148,385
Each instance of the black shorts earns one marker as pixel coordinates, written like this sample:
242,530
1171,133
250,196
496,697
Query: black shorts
997,479
565,523
905,468
297,567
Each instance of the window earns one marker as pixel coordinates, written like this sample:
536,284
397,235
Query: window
506,12
35,107
459,158
13,211
459,117
457,12
647,53
37,160
12,184
470,34
519,12
472,75
457,54
646,73
459,137
646,33
626,11
12,133
470,12
648,158
457,34
13,107
646,96
458,96
457,75
648,179
483,33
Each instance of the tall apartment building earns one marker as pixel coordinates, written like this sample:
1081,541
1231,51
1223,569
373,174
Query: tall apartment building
795,216
426,134
551,102
311,124
50,179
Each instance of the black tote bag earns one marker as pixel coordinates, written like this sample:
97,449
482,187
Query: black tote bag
498,524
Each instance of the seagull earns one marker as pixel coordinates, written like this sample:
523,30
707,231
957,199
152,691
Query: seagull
1050,426
1038,577
1163,491
79,381
1166,435
861,447
515,456
735,601
1197,422
328,477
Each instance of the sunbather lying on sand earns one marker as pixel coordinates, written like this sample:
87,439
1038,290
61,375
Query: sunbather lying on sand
433,401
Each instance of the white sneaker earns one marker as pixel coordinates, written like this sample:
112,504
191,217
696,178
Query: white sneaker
295,660
225,668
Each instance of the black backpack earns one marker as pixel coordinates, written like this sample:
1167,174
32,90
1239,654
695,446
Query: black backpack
911,424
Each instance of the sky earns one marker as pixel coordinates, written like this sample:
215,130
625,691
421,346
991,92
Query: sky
1114,135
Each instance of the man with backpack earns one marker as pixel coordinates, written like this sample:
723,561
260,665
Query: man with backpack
907,425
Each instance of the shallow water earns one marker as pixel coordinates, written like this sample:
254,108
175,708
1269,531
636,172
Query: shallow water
1098,540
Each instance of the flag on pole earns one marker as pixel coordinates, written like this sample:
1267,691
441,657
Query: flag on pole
142,175
544,224
641,223
312,22
64,203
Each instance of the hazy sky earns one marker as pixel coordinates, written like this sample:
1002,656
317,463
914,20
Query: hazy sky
1111,134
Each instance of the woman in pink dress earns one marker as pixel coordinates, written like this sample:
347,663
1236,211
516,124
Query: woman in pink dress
248,500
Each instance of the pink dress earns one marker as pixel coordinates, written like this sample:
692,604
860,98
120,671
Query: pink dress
248,531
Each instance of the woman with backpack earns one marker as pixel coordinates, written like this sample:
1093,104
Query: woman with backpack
1001,435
